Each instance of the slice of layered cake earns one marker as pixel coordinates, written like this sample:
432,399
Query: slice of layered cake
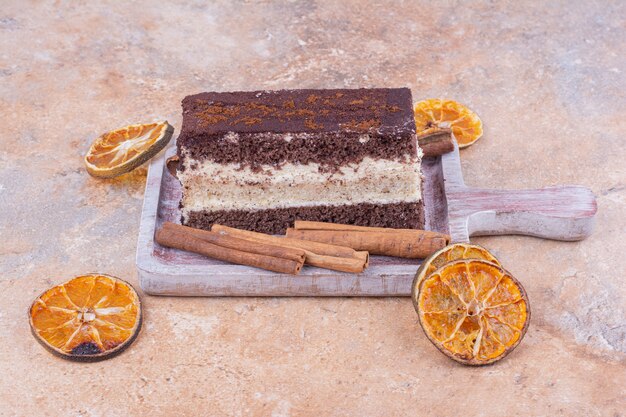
259,160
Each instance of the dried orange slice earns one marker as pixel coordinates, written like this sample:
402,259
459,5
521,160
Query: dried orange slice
122,150
435,115
91,317
450,253
474,311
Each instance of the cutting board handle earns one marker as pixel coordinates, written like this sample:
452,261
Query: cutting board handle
560,213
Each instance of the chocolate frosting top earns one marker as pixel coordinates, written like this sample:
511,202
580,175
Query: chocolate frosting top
380,111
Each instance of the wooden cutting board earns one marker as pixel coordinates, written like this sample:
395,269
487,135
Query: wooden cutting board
562,213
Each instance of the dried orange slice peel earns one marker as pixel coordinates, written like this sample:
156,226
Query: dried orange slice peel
120,151
473,311
450,253
88,318
435,115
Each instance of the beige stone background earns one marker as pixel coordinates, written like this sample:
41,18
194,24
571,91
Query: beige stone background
548,82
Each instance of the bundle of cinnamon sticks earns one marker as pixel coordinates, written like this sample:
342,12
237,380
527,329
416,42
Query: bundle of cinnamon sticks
231,249
338,247
273,253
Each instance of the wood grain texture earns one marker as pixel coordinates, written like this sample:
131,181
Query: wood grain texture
561,213
451,207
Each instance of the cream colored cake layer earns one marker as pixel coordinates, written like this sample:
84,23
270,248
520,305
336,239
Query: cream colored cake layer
212,186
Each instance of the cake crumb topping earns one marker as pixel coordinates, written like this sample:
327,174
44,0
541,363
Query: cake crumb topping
363,110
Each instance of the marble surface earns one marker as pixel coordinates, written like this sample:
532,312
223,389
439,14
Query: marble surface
548,82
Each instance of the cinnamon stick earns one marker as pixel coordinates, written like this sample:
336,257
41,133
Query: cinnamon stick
315,247
322,255
335,263
308,225
364,255
244,245
185,241
436,143
403,243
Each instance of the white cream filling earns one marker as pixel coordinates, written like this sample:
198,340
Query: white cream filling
212,186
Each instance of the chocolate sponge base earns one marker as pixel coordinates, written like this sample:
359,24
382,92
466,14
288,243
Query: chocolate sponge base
276,221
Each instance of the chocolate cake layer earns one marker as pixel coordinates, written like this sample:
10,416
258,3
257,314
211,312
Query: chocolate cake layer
329,127
276,221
